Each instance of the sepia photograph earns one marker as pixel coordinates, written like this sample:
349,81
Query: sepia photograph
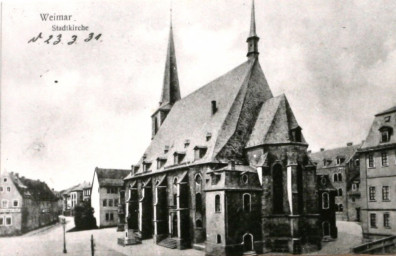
197,127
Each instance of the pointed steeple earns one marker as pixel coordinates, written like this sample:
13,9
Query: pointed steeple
170,89
253,39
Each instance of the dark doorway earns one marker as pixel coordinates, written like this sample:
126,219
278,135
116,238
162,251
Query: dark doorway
358,214
326,228
248,243
174,225
277,178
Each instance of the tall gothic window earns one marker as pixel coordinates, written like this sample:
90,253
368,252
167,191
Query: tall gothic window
217,203
277,182
325,200
247,202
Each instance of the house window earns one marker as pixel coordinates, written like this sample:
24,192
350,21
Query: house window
104,202
199,152
217,203
5,179
386,220
4,203
340,207
178,157
335,177
247,202
1,189
325,200
218,239
385,193
371,160
107,216
387,118
111,216
110,202
385,135
160,163
8,220
384,158
115,202
8,189
340,160
373,220
1,221
372,193
15,203
339,192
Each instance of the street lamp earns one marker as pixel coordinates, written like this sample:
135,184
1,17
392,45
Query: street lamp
63,222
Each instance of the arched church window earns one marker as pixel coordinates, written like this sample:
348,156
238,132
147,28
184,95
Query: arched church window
325,200
246,202
277,181
198,202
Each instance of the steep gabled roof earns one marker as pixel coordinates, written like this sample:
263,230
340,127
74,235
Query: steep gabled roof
111,177
34,189
274,123
347,152
381,121
191,118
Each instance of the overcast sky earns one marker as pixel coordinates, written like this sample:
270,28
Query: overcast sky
334,60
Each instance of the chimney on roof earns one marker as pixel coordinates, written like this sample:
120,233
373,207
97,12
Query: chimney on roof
132,170
349,144
214,107
322,149
166,150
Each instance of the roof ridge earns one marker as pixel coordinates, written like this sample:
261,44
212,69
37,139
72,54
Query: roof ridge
244,85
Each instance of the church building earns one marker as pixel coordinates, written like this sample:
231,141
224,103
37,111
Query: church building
227,170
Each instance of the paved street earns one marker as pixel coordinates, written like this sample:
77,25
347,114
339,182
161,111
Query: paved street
48,241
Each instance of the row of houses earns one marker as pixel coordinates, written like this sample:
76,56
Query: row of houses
364,177
73,196
26,204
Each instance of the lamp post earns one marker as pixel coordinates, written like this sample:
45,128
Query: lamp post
63,222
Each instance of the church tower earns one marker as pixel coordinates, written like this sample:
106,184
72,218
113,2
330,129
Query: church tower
253,39
170,89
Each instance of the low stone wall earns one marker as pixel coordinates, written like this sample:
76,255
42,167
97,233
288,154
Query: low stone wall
382,246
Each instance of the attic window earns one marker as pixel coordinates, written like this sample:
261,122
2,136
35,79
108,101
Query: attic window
146,166
199,152
326,162
214,107
208,136
166,149
296,134
179,157
186,143
387,118
160,162
386,133
340,160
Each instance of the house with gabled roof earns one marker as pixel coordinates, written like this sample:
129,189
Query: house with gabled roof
26,204
105,195
227,169
378,176
341,164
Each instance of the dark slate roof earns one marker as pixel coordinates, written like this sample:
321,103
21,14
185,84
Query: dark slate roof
237,94
34,189
388,111
274,123
111,177
332,155
374,136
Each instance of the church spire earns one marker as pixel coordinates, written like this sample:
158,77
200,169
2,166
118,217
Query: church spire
170,89
253,39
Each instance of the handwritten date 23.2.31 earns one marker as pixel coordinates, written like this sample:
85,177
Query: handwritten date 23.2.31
56,39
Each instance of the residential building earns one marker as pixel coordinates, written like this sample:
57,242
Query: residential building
73,196
378,177
227,169
87,192
340,164
25,204
327,194
106,187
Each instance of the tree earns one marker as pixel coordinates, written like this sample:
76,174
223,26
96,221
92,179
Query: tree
83,216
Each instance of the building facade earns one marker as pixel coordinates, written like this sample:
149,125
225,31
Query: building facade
25,205
340,165
227,170
106,187
378,177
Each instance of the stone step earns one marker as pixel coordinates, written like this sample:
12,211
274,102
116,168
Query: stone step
199,247
168,243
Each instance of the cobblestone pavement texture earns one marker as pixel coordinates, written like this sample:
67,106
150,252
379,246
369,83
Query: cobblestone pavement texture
49,241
